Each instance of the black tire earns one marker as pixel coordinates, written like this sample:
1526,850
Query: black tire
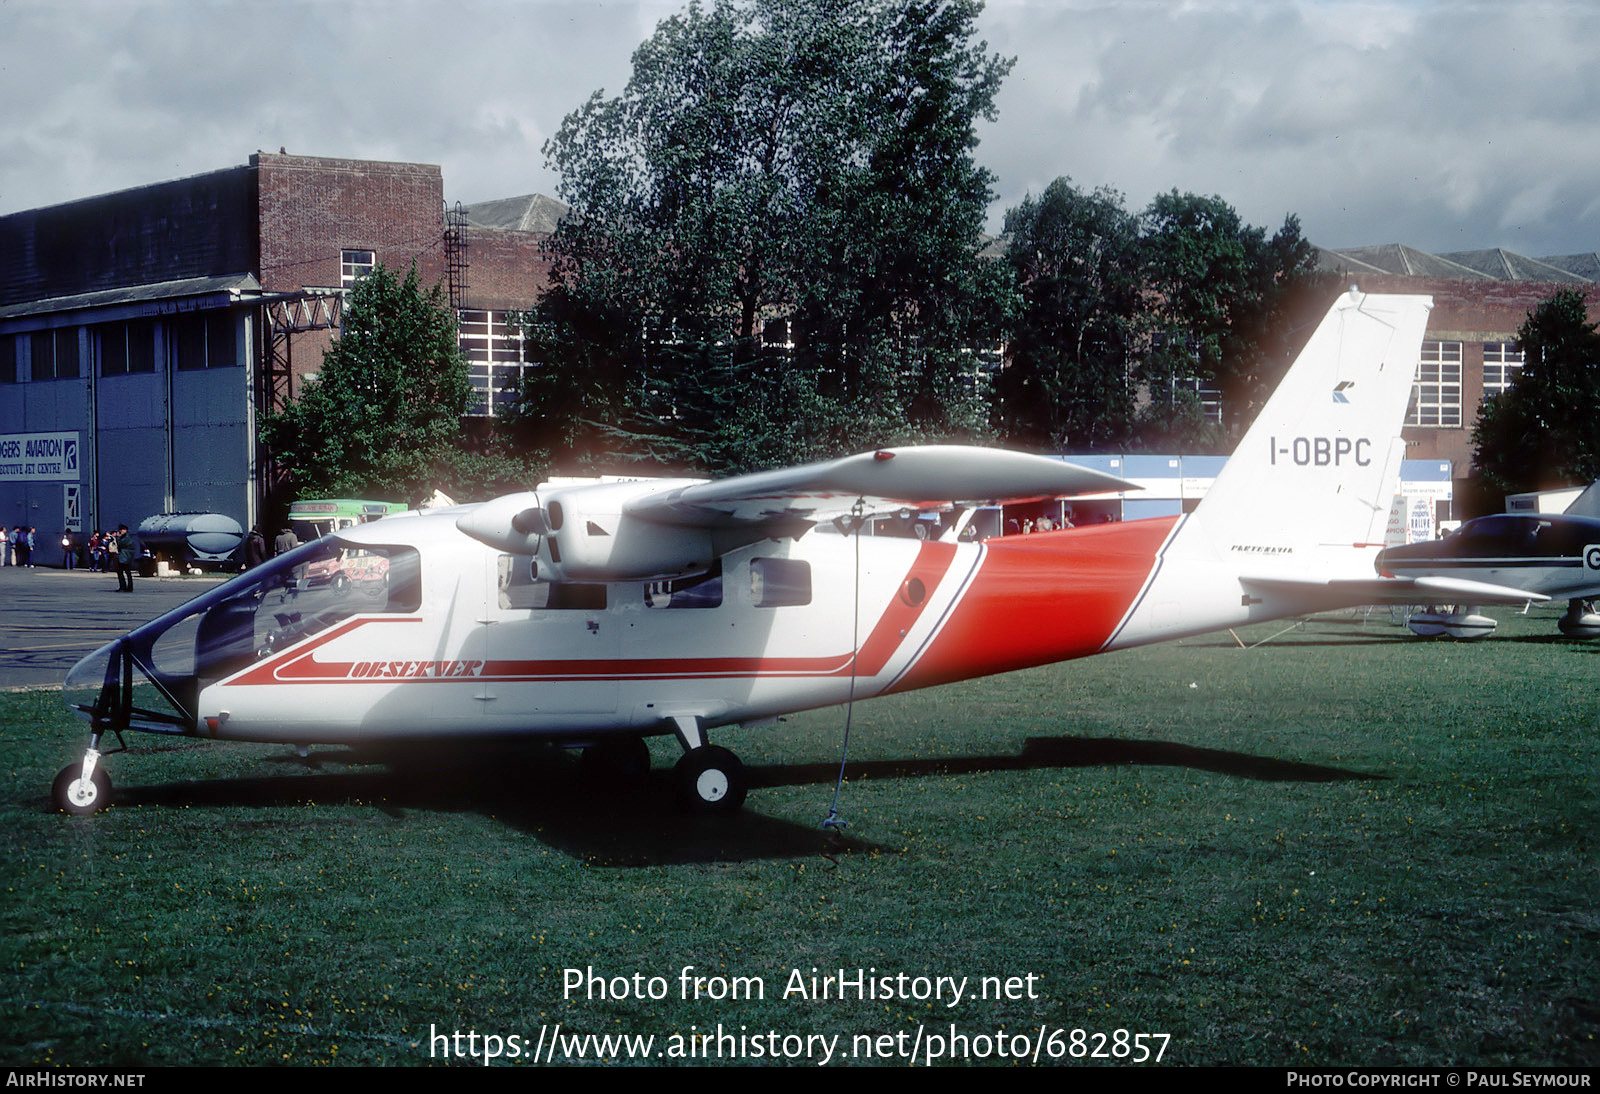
711,780
72,795
615,760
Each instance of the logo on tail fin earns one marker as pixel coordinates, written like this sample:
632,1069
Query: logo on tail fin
1340,389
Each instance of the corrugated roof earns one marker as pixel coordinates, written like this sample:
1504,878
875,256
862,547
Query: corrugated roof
1506,265
1586,266
1490,265
136,294
1343,261
528,213
1397,258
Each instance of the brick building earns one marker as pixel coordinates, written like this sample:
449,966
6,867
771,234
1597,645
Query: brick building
142,333
1469,351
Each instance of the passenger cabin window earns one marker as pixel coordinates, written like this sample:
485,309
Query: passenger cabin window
779,582
520,589
697,591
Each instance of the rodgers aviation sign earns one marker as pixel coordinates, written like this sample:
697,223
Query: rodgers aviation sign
39,457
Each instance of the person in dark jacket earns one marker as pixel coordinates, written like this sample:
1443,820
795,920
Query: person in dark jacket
255,548
124,559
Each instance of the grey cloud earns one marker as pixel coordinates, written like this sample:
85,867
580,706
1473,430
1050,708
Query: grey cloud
1432,122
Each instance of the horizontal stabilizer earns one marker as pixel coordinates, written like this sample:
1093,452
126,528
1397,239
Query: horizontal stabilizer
1397,590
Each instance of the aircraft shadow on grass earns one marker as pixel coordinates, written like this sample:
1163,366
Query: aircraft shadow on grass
541,791
1575,645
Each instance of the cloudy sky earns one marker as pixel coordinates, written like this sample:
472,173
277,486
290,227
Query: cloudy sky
1443,124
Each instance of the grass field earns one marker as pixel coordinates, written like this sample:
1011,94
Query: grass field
1346,846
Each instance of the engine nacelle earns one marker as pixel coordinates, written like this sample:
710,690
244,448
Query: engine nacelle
591,538
580,532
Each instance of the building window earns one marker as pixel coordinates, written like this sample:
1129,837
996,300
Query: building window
203,341
127,348
1208,397
1436,395
54,354
354,265
492,342
1502,361
776,334
187,336
222,344
8,358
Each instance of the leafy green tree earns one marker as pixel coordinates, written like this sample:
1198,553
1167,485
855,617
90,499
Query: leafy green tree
807,162
383,418
1067,383
1544,430
1119,315
1228,304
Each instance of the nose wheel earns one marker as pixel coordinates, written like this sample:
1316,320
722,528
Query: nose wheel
82,789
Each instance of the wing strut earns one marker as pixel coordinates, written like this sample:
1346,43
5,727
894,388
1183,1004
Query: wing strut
833,822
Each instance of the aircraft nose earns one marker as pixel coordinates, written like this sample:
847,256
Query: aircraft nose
85,681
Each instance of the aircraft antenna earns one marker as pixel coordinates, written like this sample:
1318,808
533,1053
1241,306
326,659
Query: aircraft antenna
833,822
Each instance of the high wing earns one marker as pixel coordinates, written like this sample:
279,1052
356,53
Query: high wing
647,529
886,480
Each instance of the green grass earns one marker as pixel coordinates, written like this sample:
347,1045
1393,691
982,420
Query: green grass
1343,847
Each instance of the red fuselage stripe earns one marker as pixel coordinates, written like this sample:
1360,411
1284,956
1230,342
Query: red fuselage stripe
1040,599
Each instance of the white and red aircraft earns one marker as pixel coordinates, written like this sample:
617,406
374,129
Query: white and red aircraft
600,614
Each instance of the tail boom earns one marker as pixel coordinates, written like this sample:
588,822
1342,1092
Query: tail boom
1291,525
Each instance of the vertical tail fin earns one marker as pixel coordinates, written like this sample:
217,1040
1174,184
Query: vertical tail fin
1315,474
1586,504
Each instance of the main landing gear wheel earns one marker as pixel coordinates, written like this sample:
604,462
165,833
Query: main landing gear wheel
711,780
81,797
615,760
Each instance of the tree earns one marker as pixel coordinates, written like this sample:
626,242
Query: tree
1068,380
1228,304
383,418
1544,430
1120,316
807,162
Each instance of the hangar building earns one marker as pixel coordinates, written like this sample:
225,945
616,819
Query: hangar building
143,332
1469,350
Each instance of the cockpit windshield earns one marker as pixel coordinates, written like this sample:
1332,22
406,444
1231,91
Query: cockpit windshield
151,677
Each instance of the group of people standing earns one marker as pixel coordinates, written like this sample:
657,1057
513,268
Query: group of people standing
103,548
16,546
106,550
114,549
